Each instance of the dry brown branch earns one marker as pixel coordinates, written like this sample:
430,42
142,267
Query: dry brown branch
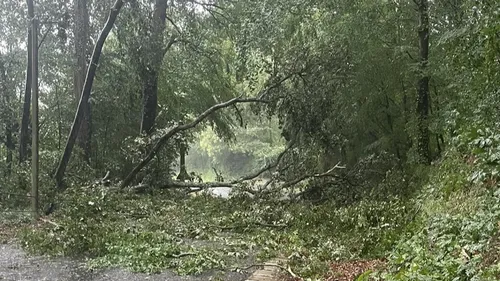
50,222
262,265
183,255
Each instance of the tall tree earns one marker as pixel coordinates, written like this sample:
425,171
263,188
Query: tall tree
81,33
24,133
34,110
151,66
423,83
87,87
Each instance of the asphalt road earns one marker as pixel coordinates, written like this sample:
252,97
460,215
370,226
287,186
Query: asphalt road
15,264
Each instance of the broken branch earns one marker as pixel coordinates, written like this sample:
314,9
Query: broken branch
268,166
304,177
179,128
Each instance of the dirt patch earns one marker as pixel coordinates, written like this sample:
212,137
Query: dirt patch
8,233
346,270
350,270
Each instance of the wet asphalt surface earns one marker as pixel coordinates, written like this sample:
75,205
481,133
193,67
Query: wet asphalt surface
16,265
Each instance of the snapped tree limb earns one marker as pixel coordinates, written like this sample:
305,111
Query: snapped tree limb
304,177
268,166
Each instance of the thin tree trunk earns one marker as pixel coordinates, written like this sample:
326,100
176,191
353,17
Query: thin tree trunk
183,174
59,120
34,114
9,141
440,137
81,38
423,84
84,99
25,121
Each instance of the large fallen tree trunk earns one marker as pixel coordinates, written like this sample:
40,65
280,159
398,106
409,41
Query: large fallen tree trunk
84,98
200,185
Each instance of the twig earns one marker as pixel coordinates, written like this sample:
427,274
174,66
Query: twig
106,177
44,36
51,222
183,255
261,265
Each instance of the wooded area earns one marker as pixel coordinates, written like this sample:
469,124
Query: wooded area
372,120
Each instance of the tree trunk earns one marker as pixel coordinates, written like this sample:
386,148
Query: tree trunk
183,174
149,102
25,121
81,33
35,167
423,84
84,99
152,67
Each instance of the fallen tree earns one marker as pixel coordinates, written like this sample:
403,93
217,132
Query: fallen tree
171,132
183,127
199,186
179,128
206,185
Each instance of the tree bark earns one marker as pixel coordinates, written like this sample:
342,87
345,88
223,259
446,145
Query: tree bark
25,121
423,84
84,99
149,102
34,116
152,67
81,33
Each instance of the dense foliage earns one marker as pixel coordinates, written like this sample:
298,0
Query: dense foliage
382,116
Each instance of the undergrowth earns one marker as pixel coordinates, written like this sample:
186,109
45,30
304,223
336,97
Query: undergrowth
457,234
445,229
150,233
